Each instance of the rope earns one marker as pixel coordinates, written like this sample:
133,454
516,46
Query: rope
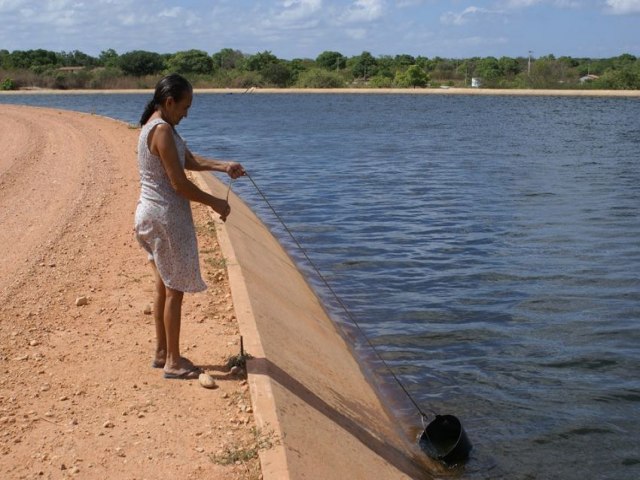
335,295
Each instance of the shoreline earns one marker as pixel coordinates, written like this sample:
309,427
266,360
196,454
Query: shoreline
337,91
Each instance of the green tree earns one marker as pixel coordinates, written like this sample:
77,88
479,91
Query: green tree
140,62
414,76
4,59
191,61
363,65
257,62
386,67
331,60
228,59
76,58
277,74
488,69
33,58
627,78
509,67
403,61
108,58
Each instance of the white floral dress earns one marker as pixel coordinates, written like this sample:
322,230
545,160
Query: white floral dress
163,221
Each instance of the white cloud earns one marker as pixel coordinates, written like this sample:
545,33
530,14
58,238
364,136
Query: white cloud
362,11
12,5
468,14
171,12
356,33
623,7
515,4
295,14
521,3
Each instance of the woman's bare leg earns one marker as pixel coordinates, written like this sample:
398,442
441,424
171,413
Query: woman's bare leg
167,313
172,321
158,316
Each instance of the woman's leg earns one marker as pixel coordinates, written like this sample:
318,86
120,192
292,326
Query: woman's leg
172,321
167,313
158,316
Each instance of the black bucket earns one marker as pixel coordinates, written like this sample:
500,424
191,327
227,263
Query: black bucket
444,439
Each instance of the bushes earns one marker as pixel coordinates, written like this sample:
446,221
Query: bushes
320,78
7,84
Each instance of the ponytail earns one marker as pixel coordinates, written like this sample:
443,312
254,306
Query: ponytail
148,111
174,86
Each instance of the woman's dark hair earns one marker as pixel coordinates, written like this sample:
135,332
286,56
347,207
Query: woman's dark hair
174,85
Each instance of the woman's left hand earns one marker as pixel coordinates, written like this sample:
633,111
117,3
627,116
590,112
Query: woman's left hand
235,170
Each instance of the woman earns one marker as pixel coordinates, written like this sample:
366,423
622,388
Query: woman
163,222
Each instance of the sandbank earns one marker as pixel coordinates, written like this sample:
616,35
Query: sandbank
370,91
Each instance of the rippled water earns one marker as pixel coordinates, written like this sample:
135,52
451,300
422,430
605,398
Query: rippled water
488,246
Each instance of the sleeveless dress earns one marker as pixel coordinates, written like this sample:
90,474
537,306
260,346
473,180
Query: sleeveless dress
163,221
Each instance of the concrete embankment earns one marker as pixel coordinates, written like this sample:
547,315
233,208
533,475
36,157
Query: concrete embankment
305,382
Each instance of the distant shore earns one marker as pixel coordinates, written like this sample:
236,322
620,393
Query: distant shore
394,91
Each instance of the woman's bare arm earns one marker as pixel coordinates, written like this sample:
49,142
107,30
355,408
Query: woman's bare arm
162,144
196,163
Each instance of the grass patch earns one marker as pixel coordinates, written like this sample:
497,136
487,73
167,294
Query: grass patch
242,454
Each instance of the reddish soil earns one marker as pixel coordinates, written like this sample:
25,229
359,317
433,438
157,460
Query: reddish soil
78,396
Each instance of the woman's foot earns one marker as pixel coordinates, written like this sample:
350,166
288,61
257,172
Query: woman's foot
184,370
161,359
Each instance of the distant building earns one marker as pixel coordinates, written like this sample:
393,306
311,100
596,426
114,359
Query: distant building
588,78
476,82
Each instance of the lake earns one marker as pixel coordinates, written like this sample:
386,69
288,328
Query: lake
488,247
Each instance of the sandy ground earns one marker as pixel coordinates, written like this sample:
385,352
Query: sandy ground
78,397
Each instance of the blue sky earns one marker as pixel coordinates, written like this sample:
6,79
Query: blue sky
305,28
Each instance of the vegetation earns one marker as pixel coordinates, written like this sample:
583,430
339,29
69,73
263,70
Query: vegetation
230,68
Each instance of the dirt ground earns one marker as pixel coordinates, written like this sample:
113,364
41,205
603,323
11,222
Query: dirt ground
78,396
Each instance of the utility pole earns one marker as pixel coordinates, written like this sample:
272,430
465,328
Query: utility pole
529,64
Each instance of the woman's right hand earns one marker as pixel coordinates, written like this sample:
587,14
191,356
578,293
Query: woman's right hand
222,208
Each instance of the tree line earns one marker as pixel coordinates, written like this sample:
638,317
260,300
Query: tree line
229,68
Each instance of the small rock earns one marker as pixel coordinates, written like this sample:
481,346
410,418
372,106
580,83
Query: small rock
34,343
207,380
148,309
108,424
235,370
81,301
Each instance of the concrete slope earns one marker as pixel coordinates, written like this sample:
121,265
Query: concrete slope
305,383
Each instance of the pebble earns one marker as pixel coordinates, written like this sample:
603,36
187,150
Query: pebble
207,380
108,425
81,301
148,309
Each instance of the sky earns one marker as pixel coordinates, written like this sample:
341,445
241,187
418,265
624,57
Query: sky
305,28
